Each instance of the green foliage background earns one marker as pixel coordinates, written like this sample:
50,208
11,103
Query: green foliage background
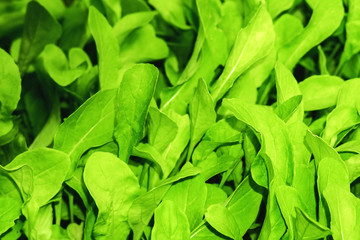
179,119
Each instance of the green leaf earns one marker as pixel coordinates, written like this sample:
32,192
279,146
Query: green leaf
202,114
142,45
287,88
113,10
245,201
131,110
58,67
10,211
50,168
215,195
42,226
173,12
142,209
307,228
40,29
95,130
150,153
352,33
10,91
353,166
162,130
276,7
107,48
271,131
210,15
131,22
287,27
348,95
344,209
244,54
114,187
340,119
212,165
189,196
220,218
170,223
325,19
289,108
320,92
322,62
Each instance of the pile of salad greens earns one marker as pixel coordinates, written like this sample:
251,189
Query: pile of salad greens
179,119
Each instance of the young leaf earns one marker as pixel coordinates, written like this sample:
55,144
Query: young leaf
352,33
220,218
57,65
244,53
287,87
307,228
95,130
40,29
189,196
272,131
170,223
10,83
114,187
325,19
131,109
173,12
107,48
130,22
50,168
202,114
162,130
320,92
142,45
142,209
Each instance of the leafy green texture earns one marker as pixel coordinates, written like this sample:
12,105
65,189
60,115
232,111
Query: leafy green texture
170,222
320,92
9,95
58,67
325,19
131,110
202,114
252,44
179,119
114,187
75,139
107,48
40,29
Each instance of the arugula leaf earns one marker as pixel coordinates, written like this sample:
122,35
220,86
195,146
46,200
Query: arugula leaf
325,19
243,54
182,119
143,207
40,29
202,114
107,47
320,92
58,67
193,205
9,93
173,12
96,131
222,220
170,222
49,167
113,197
131,110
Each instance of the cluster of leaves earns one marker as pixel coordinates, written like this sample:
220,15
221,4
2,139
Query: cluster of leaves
244,125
